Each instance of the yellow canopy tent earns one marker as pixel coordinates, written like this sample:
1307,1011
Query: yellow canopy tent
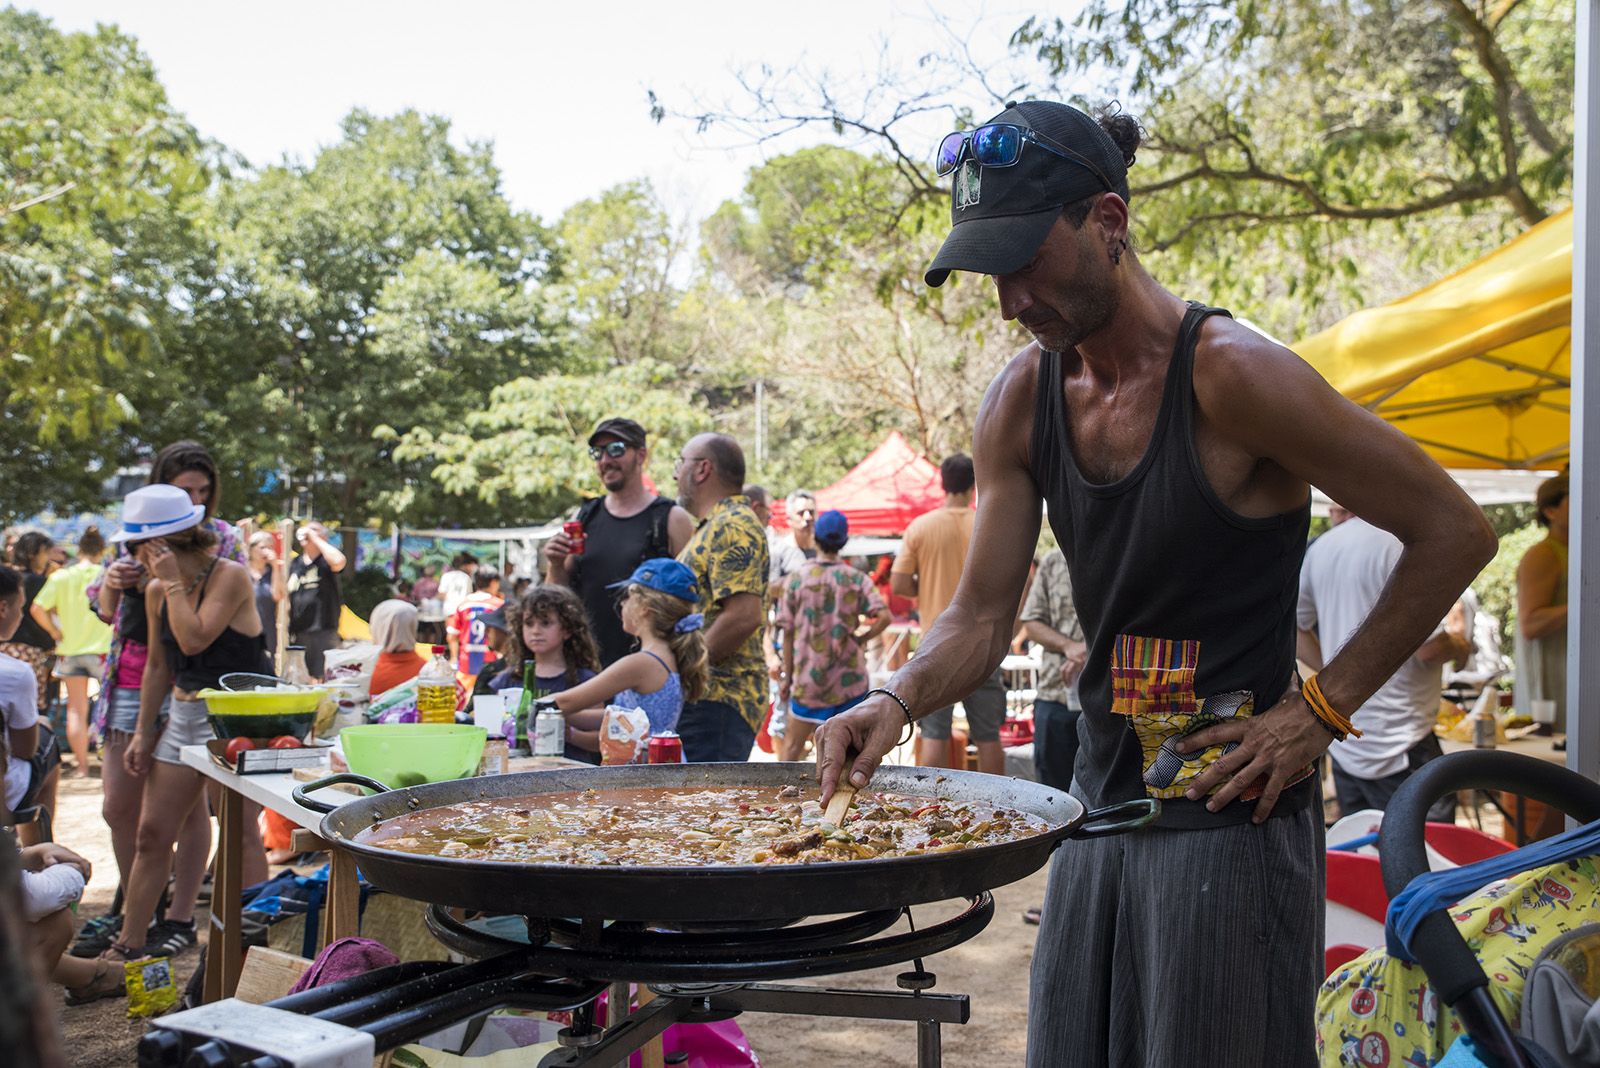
1476,367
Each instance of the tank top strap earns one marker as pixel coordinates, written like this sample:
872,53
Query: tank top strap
1049,420
1180,382
658,660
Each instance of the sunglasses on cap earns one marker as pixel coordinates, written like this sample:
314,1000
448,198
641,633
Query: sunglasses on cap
613,449
999,144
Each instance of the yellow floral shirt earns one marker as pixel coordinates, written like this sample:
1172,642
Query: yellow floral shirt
728,555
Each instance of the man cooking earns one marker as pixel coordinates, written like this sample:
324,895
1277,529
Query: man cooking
1174,448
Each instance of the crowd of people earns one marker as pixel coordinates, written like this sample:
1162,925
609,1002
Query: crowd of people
1194,649
694,610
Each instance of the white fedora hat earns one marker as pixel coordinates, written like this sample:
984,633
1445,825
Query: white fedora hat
155,512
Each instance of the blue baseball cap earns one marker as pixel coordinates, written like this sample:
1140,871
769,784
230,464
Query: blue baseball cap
832,529
665,575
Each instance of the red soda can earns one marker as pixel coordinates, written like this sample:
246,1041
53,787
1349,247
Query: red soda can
665,748
574,532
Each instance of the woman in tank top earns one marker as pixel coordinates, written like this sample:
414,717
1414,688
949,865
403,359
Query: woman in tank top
1541,635
202,624
669,668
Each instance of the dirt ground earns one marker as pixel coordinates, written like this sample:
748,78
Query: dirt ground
992,970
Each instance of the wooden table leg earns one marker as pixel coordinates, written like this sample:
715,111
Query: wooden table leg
341,916
223,957
652,1056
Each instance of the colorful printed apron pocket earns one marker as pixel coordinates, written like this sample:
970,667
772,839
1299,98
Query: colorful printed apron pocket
1152,683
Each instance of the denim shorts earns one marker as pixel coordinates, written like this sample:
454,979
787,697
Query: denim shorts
122,718
186,725
823,713
81,665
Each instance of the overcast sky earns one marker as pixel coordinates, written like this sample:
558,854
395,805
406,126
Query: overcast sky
560,88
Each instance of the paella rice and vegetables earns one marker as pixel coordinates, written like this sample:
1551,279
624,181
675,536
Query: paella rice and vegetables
666,826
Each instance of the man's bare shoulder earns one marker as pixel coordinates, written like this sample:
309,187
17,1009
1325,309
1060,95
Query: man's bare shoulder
1018,380
1231,360
1009,403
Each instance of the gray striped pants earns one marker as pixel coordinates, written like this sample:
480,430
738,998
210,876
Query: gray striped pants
1177,948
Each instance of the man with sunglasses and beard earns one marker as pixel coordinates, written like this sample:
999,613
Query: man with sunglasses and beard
1176,450
621,530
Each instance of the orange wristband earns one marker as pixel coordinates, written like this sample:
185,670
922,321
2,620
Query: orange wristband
1311,691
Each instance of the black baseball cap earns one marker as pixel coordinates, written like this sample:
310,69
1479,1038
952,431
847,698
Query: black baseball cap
1000,216
624,430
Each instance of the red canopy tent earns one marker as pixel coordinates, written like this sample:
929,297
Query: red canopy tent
881,494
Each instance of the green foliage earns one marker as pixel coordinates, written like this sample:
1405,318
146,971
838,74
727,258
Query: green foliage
100,185
1313,154
1497,584
527,450
365,588
386,286
617,253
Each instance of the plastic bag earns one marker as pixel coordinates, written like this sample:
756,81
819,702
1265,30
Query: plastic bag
625,736
398,704
356,661
151,990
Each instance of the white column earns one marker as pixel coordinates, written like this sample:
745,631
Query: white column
1583,579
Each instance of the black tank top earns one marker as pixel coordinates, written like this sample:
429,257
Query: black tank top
1187,607
612,548
230,651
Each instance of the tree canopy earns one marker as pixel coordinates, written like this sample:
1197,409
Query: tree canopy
378,334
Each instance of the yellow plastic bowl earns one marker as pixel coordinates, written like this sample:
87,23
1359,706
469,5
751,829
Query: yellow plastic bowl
261,702
410,754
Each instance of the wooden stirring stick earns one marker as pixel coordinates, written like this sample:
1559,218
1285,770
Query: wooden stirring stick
839,804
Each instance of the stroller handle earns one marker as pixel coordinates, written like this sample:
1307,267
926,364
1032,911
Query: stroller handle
1450,964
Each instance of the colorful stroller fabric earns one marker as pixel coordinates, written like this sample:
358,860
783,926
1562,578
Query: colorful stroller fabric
1379,1010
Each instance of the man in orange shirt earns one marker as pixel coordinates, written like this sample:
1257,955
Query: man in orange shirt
928,568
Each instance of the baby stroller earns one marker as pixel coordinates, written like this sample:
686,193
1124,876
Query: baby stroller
1521,910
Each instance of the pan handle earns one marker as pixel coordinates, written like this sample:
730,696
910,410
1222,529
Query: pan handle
299,793
1125,816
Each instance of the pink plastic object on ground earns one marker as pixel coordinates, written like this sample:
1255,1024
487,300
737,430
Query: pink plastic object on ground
710,1045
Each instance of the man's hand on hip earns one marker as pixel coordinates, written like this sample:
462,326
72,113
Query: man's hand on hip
859,738
1273,749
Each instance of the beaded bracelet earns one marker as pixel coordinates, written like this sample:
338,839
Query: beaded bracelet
1338,725
911,724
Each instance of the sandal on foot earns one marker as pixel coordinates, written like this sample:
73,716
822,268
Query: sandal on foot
108,982
1033,915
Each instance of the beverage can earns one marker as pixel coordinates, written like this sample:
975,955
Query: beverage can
666,748
549,733
1483,731
574,532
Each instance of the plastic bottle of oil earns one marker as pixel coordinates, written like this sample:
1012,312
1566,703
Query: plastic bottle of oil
436,689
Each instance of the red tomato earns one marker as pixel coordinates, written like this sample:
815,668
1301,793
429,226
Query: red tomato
286,741
235,747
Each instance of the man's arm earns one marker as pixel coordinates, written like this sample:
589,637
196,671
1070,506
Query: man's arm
330,553
680,528
880,621
903,572
969,639
1450,644
738,619
1037,630
1263,399
1308,649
